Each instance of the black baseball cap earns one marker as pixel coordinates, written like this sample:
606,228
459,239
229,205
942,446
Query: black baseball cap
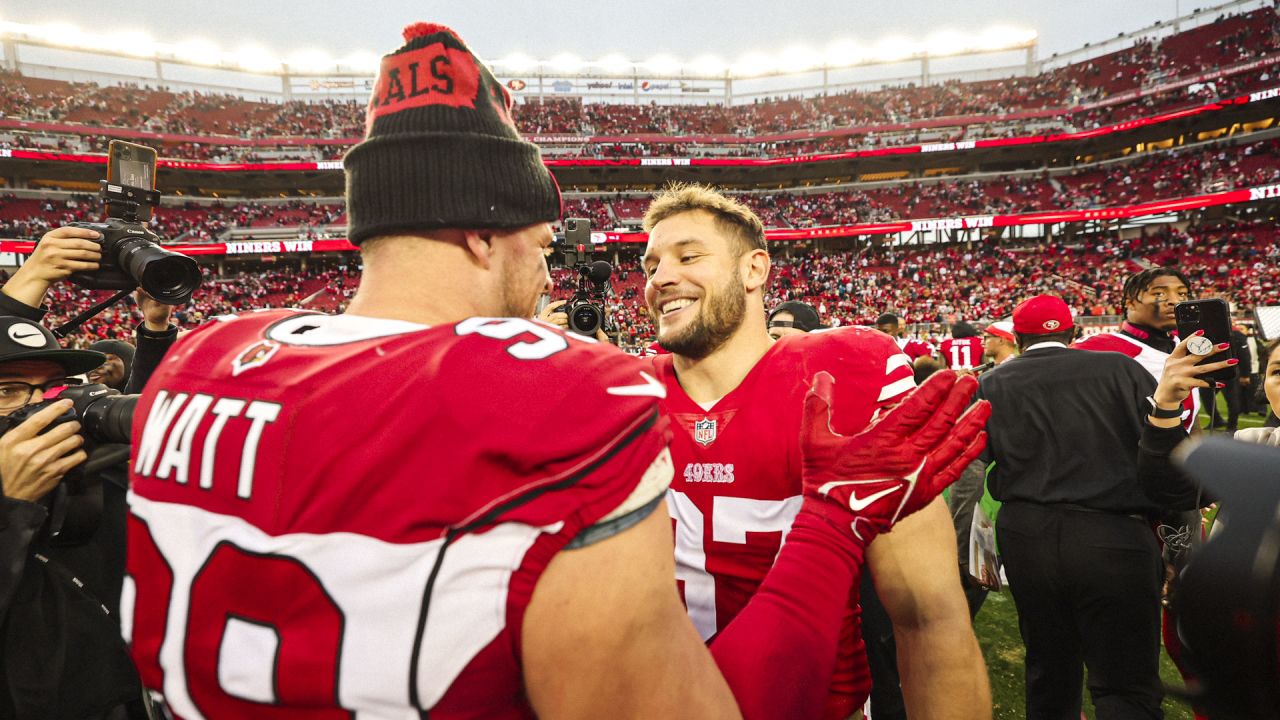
22,339
804,317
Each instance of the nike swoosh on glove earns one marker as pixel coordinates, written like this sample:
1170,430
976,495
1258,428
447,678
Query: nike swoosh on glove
898,463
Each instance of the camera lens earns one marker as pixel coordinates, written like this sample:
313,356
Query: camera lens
170,279
585,319
166,276
110,419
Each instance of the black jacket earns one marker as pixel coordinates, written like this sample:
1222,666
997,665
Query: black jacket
1064,429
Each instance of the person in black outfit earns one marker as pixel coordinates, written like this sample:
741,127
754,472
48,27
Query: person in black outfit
1083,565
98,561
60,623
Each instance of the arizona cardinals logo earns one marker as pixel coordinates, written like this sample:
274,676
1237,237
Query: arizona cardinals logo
256,355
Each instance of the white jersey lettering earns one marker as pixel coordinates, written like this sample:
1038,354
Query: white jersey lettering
157,426
260,413
223,410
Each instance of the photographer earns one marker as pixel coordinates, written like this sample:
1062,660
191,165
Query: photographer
99,560
63,657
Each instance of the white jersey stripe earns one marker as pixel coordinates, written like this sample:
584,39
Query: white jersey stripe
378,586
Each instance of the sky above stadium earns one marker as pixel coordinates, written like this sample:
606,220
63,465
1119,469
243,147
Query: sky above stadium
595,28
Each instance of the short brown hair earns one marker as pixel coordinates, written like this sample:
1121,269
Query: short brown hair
731,215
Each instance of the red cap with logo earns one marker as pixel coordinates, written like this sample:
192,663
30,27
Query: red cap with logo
1041,315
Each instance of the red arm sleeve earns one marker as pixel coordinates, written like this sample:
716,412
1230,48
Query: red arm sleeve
779,652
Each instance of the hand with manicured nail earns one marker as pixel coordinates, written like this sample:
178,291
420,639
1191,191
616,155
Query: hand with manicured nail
1182,375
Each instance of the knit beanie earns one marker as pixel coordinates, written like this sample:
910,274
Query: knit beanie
440,149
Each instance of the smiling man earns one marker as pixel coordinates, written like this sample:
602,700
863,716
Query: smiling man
735,399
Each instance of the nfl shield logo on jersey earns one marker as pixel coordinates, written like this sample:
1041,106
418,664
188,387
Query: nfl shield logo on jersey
704,431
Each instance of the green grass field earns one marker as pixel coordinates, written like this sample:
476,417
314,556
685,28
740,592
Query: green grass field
997,630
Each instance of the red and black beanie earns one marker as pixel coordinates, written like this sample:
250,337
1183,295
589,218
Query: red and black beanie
440,149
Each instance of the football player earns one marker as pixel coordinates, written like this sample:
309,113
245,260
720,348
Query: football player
431,505
891,325
735,399
963,350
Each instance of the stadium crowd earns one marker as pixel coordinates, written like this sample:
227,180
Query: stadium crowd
929,287
984,109
1158,175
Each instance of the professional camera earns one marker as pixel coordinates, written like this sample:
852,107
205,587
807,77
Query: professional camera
105,415
131,254
575,250
76,505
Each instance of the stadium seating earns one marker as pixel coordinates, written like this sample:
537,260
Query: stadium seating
981,280
1159,175
966,107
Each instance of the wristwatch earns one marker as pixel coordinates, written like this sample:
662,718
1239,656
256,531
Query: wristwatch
1161,413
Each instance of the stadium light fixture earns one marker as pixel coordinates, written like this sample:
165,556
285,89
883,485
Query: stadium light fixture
518,62
311,61
947,42
615,64
794,59
798,58
362,62
58,33
134,42
1002,38
662,65
198,52
844,52
566,63
894,48
754,64
256,59
708,65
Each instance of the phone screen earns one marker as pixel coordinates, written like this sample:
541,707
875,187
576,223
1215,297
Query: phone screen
135,173
131,164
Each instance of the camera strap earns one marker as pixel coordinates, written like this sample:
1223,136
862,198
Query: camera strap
74,323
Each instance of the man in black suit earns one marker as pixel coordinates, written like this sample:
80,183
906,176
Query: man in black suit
1083,564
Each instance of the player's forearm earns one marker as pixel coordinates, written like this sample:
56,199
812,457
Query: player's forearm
942,671
778,654
26,288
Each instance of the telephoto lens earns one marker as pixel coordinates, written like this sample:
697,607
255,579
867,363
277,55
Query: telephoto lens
168,277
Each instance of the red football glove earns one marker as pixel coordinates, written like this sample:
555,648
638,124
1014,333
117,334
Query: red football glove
898,463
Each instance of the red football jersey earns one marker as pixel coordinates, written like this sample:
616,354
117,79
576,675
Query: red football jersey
1151,359
336,516
737,473
962,353
915,349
